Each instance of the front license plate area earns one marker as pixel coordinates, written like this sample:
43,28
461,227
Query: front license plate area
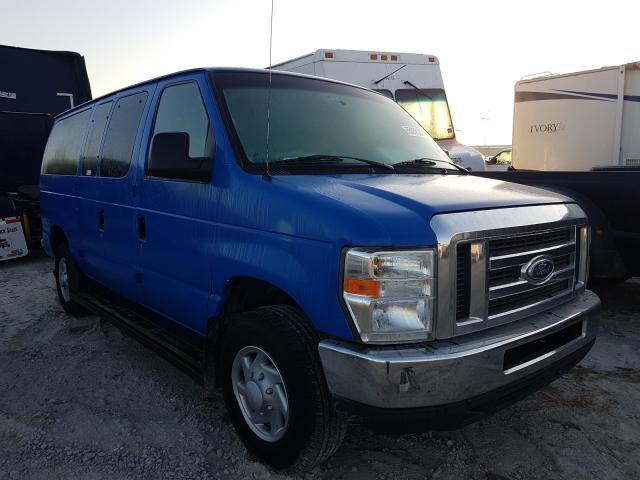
528,353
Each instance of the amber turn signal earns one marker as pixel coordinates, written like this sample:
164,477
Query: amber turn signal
361,286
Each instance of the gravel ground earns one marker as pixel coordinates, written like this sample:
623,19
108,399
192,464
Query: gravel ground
78,399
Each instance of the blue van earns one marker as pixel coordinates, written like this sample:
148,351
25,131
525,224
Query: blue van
305,246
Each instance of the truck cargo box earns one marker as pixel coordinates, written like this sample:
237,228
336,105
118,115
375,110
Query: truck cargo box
22,140
35,85
41,81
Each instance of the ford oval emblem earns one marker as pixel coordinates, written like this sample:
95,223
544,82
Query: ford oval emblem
538,270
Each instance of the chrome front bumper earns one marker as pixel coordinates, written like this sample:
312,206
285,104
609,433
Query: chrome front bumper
449,371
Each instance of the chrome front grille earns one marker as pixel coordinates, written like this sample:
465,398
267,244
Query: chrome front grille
523,299
519,243
510,295
463,281
481,254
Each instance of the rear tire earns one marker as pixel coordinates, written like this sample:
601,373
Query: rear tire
270,372
68,280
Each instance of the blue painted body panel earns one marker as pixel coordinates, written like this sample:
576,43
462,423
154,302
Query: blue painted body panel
288,230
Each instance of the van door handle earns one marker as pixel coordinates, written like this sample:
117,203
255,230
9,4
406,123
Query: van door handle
142,227
101,219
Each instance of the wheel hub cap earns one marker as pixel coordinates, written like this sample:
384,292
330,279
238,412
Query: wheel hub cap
63,279
260,392
254,396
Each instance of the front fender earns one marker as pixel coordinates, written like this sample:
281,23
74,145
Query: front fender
307,270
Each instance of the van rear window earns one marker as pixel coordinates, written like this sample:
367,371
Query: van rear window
62,153
121,135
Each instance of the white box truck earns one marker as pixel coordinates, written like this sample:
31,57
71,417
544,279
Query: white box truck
413,80
577,134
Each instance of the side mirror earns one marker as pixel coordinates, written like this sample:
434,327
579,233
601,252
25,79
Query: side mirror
169,158
492,160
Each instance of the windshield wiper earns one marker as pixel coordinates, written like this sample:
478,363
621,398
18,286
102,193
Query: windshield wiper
428,162
418,161
419,90
322,159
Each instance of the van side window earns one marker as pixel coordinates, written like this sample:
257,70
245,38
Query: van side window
94,140
181,111
121,135
62,153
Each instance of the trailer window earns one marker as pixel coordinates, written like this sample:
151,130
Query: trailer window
96,132
121,135
430,108
62,153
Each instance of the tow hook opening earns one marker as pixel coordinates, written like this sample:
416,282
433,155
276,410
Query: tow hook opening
408,380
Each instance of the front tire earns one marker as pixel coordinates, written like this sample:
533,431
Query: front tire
68,279
275,390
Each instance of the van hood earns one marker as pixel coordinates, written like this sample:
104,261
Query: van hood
427,194
390,208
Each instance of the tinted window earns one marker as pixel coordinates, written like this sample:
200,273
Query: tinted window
96,132
62,154
315,118
181,109
121,135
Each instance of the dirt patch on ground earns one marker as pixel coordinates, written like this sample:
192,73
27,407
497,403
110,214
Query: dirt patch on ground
80,400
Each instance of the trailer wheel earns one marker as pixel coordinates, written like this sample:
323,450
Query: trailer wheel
68,280
275,390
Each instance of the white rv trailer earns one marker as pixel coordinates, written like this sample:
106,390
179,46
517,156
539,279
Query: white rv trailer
577,134
578,121
413,80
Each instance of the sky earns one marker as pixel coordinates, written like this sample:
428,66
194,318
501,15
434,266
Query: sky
484,47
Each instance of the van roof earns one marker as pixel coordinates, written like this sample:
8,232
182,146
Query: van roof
193,70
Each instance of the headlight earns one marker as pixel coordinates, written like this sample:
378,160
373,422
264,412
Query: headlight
390,294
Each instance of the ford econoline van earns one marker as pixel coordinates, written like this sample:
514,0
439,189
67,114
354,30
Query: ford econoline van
305,246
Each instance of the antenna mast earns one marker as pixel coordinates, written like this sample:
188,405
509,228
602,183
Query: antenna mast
267,173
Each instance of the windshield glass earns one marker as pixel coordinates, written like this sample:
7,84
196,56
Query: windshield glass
430,108
316,119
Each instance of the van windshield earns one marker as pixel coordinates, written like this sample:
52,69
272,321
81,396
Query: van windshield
430,108
313,122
